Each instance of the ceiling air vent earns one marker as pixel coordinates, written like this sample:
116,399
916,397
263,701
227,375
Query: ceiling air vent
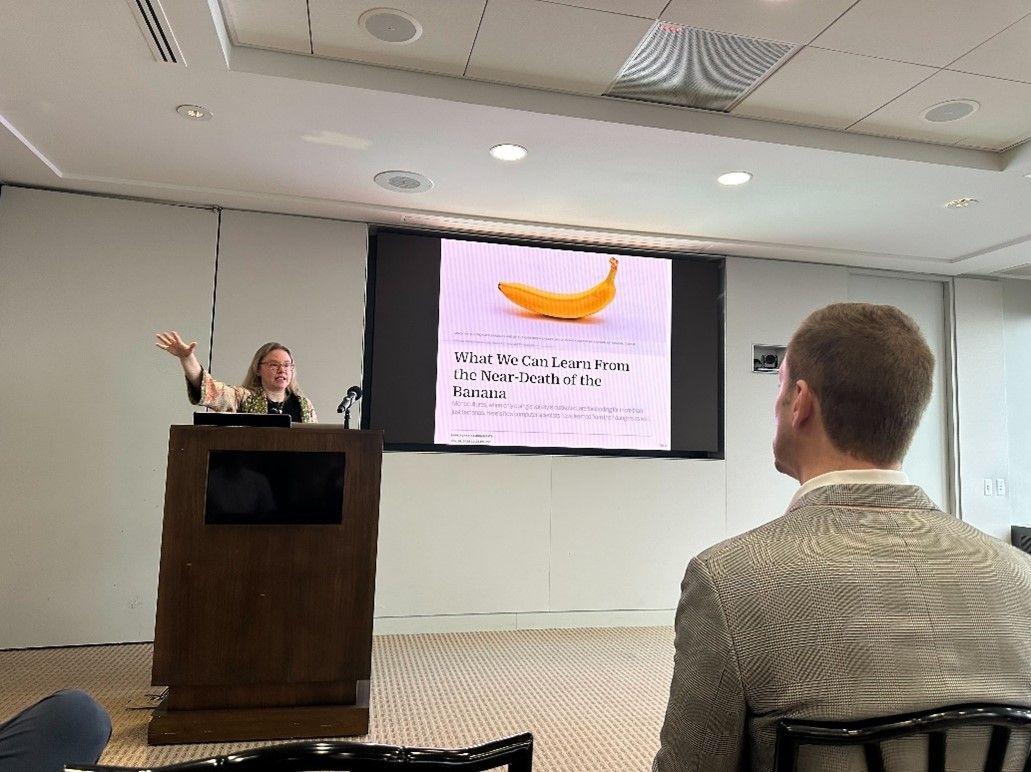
153,23
689,67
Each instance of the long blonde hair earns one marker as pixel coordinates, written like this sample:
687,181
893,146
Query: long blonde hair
252,380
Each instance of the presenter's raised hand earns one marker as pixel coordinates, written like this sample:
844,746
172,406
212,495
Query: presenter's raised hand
177,347
174,345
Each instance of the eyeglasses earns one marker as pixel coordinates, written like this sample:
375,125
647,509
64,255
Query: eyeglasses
279,365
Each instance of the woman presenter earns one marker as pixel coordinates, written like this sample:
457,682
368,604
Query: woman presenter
270,385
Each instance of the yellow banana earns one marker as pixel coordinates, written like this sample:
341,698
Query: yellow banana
564,306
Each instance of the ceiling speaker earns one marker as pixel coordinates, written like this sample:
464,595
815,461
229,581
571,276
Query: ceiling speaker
403,182
952,110
391,25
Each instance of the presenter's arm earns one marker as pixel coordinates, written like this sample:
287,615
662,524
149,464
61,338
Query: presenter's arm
201,388
174,345
704,730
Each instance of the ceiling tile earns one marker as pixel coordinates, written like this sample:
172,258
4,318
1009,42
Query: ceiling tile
546,45
1004,116
933,32
829,88
448,31
278,24
1004,56
792,22
646,9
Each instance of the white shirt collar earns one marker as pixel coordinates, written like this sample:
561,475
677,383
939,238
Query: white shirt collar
852,477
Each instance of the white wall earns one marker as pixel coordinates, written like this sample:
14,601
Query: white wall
983,420
927,461
488,541
758,313
466,541
766,300
299,281
623,529
84,283
462,535
1017,322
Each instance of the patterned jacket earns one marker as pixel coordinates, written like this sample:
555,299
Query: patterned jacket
223,398
860,601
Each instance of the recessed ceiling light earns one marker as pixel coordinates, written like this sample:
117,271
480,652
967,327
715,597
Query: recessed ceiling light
194,112
734,178
403,182
960,203
391,25
953,110
508,152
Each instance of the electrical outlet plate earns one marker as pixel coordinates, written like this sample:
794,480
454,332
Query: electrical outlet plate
1000,486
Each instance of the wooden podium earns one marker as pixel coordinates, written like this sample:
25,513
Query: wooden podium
264,629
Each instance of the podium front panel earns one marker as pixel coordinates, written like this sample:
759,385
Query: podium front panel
250,596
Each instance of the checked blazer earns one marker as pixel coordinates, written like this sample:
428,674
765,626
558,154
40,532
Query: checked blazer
862,600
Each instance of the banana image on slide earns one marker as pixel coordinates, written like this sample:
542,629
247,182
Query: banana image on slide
576,305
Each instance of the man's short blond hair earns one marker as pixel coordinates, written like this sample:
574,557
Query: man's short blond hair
871,371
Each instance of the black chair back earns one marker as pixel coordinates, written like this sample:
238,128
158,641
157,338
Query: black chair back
513,753
871,732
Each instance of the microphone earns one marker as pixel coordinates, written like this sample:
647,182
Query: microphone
353,395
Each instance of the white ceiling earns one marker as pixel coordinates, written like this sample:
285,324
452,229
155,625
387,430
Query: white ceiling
859,67
86,107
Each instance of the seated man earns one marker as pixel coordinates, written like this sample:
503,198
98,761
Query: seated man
68,727
864,599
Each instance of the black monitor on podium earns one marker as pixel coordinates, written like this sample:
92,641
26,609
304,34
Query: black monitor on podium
242,419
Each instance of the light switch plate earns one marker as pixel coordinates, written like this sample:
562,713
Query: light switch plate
989,486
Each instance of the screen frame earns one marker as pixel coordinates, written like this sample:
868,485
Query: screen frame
519,450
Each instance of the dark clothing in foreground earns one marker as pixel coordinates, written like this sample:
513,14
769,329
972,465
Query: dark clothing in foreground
68,727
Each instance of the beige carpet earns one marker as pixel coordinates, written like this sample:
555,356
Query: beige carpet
593,698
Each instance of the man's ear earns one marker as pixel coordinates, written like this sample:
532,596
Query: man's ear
804,406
